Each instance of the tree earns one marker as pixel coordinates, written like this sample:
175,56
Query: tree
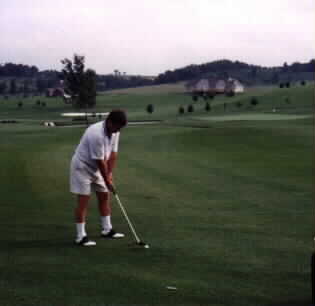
208,107
254,101
90,87
285,67
150,108
41,85
181,110
275,77
3,87
13,88
26,88
195,97
80,84
190,108
230,93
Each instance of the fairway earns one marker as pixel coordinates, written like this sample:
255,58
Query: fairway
227,207
255,117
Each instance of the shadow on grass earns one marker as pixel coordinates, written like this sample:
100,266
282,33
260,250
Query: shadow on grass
34,244
306,302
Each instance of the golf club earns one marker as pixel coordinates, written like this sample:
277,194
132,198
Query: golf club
133,231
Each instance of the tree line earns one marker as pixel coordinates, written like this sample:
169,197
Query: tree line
248,74
41,80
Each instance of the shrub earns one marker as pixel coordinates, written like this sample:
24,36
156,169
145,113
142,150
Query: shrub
303,83
190,108
210,95
20,104
287,84
195,98
150,108
230,93
254,101
281,85
181,110
208,107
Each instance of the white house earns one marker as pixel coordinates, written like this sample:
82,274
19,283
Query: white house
220,86
235,86
214,86
202,85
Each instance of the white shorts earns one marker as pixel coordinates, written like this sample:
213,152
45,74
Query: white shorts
84,178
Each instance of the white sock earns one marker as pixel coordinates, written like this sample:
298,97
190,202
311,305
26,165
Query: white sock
106,223
81,230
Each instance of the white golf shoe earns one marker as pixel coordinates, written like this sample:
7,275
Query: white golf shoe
85,241
112,234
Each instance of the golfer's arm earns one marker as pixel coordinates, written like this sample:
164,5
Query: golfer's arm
102,166
111,162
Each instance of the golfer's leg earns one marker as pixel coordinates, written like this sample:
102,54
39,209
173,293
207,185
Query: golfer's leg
80,215
104,210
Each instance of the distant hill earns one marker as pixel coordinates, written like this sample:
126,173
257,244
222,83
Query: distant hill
30,79
246,73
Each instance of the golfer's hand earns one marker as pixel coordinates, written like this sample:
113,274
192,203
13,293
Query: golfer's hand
110,185
111,188
110,178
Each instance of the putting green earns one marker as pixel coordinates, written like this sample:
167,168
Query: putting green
257,116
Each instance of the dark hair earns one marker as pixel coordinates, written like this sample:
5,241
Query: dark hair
118,117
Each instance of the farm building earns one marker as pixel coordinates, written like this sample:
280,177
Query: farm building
234,86
214,86
55,92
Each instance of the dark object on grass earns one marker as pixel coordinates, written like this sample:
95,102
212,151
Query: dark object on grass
181,110
8,121
208,107
254,101
150,108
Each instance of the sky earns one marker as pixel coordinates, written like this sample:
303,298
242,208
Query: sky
148,37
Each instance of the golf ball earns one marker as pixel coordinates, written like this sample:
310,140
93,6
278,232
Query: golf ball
146,246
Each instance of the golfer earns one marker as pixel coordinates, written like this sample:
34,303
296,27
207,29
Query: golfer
92,168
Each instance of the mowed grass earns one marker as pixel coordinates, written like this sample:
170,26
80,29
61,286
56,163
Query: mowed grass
226,209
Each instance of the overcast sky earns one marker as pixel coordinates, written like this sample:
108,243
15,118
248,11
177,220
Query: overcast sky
151,36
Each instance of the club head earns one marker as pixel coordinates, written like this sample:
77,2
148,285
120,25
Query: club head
143,244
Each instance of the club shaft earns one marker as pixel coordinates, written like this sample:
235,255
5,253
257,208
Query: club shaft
127,218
